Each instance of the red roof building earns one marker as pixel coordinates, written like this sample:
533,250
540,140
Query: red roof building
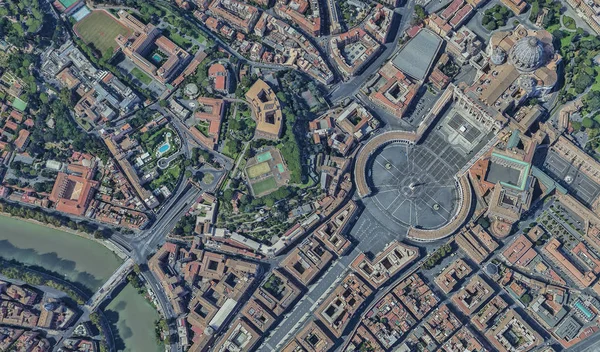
218,73
72,194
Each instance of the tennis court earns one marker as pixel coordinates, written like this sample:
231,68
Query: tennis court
264,157
19,104
67,3
257,170
80,14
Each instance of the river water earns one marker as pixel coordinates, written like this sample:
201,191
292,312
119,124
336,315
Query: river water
134,319
87,263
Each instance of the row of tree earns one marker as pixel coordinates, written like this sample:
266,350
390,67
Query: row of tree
14,272
52,219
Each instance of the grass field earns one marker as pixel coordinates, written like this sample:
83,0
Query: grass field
208,178
264,186
139,74
596,85
569,22
257,170
100,29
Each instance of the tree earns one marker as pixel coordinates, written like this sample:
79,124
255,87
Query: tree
582,82
162,103
98,235
588,123
420,12
44,98
234,146
95,319
592,101
107,54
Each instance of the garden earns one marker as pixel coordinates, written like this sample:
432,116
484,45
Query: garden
237,129
353,15
169,176
152,141
496,17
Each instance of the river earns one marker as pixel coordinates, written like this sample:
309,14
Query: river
88,263
134,319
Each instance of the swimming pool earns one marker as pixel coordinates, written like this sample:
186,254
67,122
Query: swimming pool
156,58
164,148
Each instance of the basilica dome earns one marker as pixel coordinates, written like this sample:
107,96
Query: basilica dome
498,56
527,54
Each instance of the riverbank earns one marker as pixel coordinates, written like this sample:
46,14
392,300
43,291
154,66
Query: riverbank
106,243
74,258
88,263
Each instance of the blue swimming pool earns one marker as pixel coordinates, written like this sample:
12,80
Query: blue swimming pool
164,148
156,58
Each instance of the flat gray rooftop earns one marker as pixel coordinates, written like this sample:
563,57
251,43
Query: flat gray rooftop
500,173
578,183
416,57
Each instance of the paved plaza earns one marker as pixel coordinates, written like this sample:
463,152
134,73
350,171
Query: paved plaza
413,186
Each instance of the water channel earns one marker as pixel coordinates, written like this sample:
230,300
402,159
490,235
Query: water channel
88,263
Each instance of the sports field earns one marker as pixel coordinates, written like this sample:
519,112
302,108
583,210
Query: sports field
257,170
264,157
264,186
100,29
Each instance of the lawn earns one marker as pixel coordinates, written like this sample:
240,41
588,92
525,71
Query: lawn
168,177
257,170
565,43
202,39
596,85
228,152
208,178
19,104
202,126
139,74
569,22
178,39
264,186
101,29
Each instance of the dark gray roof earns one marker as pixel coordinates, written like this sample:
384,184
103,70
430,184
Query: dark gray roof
416,57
